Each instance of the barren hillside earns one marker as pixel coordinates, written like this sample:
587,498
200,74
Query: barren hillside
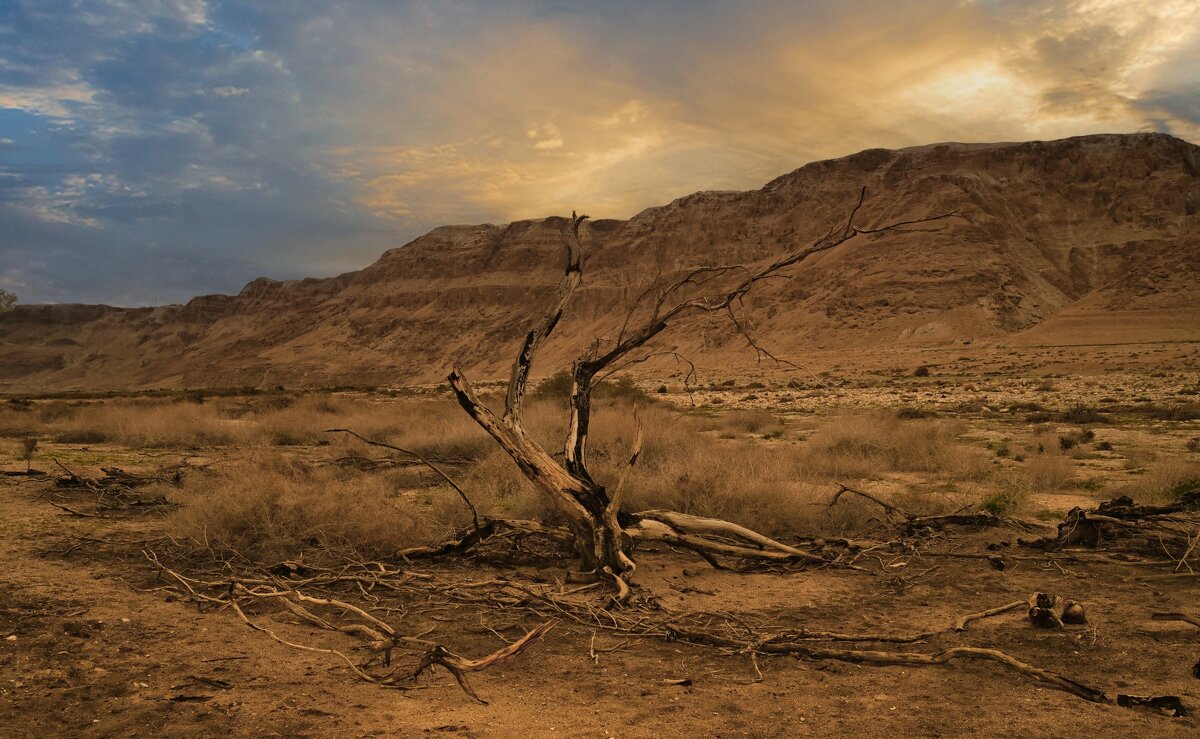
1086,240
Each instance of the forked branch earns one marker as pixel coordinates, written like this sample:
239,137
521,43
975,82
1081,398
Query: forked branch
602,541
519,375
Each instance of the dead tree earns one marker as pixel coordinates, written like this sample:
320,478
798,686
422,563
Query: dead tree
604,535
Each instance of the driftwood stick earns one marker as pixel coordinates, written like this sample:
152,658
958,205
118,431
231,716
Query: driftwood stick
686,525
888,507
462,494
74,512
961,624
918,659
459,667
302,647
1193,620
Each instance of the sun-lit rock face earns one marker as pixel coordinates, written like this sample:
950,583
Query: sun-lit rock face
1062,241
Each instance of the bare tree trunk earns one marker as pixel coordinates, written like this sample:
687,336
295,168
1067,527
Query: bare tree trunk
599,540
584,503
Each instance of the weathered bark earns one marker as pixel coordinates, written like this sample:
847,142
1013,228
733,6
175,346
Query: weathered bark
584,503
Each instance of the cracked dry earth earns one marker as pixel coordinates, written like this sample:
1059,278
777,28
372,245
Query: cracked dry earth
91,645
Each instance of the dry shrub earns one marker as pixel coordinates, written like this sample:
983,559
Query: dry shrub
1011,495
1181,412
773,488
1162,481
498,489
435,428
150,424
1048,472
18,419
56,410
432,428
280,509
134,423
1137,459
864,446
1082,414
757,422
1043,473
925,502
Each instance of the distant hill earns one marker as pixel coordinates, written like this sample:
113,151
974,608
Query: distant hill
1088,239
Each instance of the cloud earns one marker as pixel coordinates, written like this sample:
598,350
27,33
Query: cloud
205,143
153,140
630,109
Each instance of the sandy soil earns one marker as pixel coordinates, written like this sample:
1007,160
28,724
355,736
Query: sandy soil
91,644
89,647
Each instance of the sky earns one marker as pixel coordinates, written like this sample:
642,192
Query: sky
153,150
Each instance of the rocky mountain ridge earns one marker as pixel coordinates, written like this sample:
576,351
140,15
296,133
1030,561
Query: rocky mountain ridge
1087,239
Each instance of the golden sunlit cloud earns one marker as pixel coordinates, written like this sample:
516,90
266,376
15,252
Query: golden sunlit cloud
534,129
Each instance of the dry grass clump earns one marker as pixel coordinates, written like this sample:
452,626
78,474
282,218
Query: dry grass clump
755,422
1048,472
1139,459
867,445
498,489
131,422
24,417
435,428
754,486
1044,466
1010,497
149,424
281,508
779,489
1162,481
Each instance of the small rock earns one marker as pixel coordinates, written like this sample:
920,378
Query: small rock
77,629
1073,613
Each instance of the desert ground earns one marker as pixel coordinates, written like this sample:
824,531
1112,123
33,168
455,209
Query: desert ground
144,533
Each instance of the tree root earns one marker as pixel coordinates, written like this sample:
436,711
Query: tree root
459,667
1167,704
381,639
700,536
482,532
707,537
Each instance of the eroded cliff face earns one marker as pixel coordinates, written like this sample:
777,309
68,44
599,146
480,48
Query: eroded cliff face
1054,241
